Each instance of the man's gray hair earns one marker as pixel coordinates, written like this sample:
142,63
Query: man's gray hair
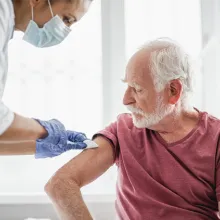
168,61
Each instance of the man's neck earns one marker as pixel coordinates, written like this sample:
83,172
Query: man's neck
175,127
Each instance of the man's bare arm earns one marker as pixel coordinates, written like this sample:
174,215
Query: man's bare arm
64,187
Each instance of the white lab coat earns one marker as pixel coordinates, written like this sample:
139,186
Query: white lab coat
6,33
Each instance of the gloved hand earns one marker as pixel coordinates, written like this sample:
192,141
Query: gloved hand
57,141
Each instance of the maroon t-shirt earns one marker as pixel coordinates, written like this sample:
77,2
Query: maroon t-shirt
160,181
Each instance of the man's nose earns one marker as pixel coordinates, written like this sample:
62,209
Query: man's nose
128,99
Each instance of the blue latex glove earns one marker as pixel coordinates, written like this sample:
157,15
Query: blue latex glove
56,142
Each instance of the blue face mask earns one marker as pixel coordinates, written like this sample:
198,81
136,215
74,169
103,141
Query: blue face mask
52,33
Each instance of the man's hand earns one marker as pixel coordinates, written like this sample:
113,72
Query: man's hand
58,140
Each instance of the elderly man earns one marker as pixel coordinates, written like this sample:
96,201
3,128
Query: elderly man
167,152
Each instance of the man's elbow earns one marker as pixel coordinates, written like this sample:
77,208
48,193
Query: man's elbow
50,186
59,186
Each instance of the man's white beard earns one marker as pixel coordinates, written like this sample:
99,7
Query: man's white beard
148,120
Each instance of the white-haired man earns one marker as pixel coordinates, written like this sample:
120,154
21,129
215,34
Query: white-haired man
167,152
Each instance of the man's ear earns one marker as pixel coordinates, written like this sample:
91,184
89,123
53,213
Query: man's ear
175,91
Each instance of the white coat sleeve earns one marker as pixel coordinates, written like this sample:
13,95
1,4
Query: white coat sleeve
6,30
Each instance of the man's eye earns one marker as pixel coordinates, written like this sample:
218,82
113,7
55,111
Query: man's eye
137,90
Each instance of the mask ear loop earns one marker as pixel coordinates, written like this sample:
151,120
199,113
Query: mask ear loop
51,11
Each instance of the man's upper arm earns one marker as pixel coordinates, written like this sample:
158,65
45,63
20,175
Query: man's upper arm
90,164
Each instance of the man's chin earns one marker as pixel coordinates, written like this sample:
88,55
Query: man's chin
139,122
142,122
137,117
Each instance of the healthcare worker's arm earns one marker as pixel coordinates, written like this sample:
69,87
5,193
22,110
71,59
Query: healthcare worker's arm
17,147
57,140
64,187
23,128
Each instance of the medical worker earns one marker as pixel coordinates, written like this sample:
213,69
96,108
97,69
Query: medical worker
45,23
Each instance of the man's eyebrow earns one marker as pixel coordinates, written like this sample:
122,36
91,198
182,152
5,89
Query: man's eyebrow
134,84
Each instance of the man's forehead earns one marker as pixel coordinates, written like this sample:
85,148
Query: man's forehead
138,75
138,65
138,68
